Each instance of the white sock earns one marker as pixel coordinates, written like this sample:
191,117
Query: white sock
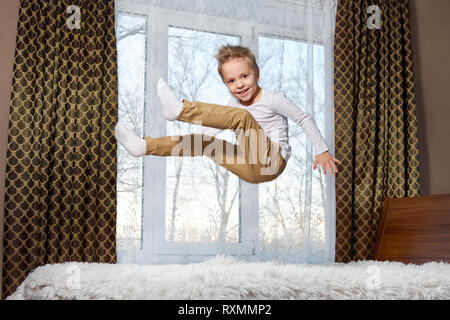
171,106
133,144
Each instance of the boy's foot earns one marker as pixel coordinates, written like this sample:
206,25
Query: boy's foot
171,106
132,143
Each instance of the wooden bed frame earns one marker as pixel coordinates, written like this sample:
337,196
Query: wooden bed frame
414,230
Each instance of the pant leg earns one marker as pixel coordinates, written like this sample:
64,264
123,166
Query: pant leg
212,147
255,159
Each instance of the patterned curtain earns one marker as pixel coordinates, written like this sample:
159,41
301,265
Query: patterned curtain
375,119
60,191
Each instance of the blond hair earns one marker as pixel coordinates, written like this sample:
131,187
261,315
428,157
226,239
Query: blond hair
228,52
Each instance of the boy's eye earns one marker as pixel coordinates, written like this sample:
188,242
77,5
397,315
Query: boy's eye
245,76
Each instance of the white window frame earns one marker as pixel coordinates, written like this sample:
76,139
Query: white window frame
155,249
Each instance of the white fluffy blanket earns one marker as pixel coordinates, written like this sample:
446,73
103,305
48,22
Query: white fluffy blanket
224,277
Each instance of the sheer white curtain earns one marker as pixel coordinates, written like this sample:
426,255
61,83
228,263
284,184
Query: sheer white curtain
182,209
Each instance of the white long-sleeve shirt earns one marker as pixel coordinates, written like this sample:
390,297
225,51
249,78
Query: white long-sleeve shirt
271,112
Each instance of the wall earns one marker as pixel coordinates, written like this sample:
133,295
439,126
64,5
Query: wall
430,28
9,15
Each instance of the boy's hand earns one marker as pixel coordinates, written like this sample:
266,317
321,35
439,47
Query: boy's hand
326,161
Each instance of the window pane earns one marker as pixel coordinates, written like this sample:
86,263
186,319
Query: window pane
291,208
131,38
202,198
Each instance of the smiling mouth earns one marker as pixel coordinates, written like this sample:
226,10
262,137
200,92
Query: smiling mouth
243,92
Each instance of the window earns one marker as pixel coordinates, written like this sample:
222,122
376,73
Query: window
291,216
182,209
193,212
131,44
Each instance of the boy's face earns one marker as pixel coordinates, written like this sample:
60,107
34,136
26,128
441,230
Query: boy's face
241,80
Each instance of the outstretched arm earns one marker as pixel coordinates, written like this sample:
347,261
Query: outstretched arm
326,160
287,108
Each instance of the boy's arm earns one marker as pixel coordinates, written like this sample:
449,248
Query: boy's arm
283,106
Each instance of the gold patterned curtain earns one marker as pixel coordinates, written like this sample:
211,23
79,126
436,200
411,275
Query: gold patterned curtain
60,190
375,119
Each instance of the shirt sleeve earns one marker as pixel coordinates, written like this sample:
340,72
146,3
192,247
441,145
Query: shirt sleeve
283,106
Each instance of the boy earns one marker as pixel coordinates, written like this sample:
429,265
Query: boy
258,118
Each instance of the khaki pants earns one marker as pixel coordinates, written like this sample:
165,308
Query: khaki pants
255,158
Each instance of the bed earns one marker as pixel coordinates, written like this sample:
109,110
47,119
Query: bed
410,261
414,230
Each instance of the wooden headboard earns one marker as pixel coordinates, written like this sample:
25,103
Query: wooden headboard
414,230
